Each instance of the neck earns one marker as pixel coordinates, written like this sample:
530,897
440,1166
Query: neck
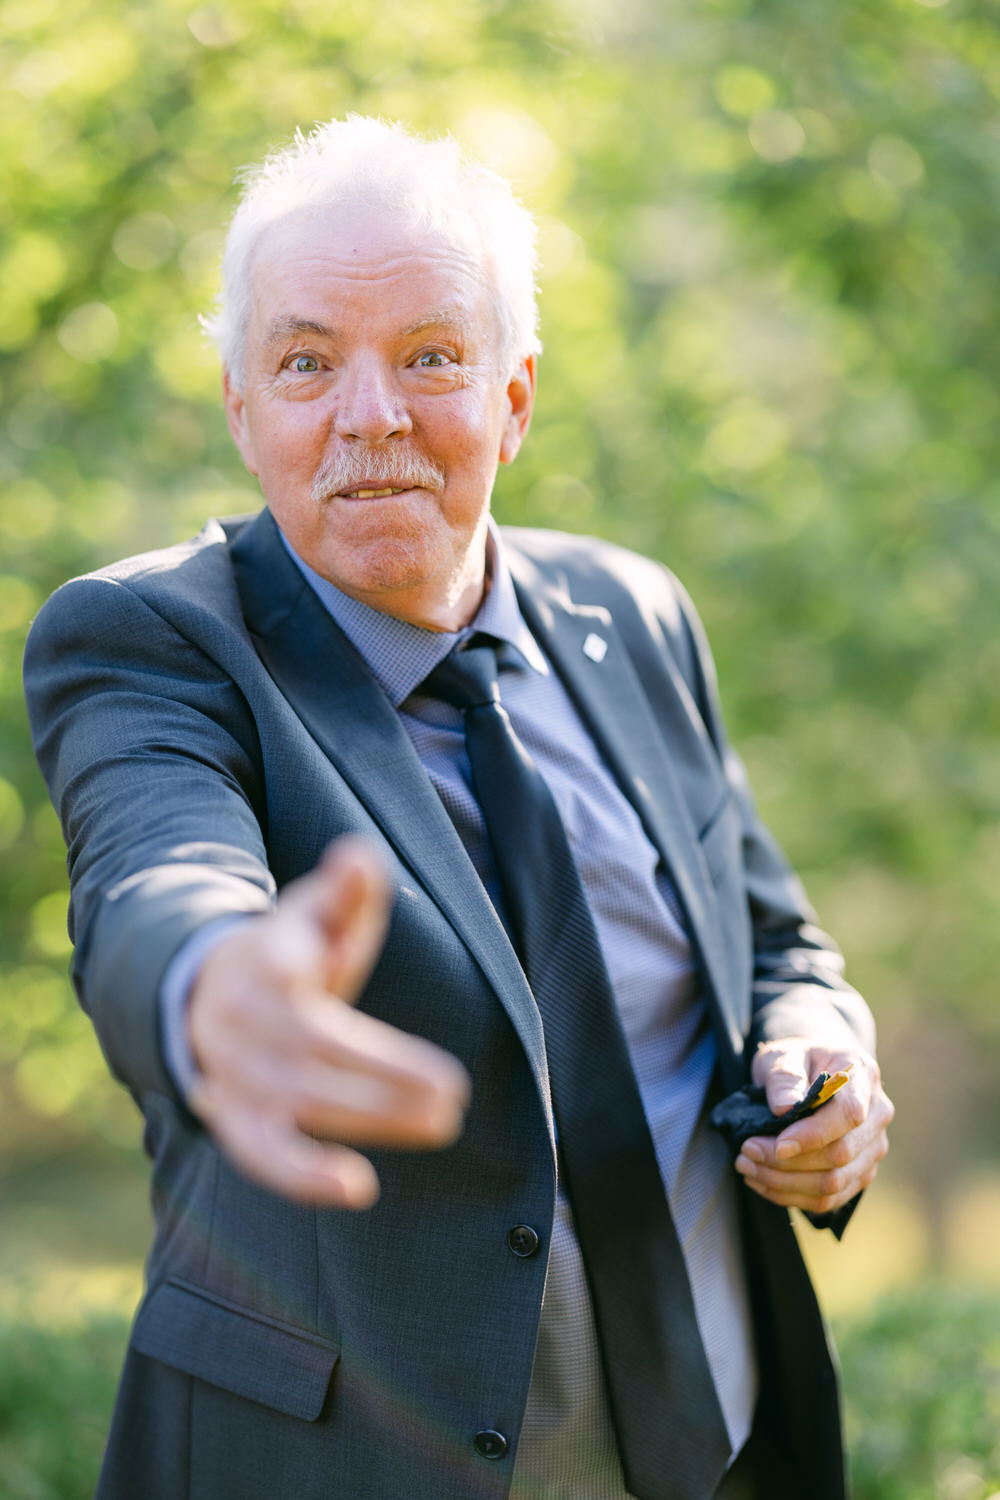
442,609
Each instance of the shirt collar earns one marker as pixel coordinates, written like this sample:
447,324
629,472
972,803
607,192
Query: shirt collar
401,655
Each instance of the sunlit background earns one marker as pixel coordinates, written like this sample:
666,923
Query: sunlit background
770,240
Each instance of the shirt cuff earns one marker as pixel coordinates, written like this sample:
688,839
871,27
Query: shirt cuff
175,992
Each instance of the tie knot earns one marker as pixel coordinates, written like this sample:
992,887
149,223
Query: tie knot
468,677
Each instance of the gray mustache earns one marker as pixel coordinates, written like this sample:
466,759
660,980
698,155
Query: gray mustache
375,469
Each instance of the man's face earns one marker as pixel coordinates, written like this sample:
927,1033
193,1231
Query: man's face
375,408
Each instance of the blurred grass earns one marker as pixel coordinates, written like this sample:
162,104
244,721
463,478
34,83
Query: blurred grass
922,1387
56,1390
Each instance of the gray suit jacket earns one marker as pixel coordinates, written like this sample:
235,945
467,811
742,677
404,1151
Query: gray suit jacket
205,730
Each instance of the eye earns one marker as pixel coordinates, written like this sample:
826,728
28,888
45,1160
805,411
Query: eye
305,364
433,359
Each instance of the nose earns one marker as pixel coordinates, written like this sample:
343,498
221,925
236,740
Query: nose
370,407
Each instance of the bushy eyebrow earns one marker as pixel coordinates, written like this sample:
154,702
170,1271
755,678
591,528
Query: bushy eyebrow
281,328
440,317
446,317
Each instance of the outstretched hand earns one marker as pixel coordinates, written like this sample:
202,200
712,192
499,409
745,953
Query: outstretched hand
822,1162
288,1071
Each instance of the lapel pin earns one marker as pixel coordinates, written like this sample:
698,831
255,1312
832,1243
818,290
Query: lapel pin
596,647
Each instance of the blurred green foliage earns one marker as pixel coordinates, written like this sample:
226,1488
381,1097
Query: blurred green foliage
768,231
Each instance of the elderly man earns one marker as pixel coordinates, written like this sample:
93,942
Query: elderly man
574,1295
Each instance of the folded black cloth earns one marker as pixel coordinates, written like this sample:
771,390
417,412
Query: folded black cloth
746,1113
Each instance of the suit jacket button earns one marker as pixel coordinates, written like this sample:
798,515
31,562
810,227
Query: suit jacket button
490,1444
522,1240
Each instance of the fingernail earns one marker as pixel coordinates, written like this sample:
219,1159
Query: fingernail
745,1167
753,1150
785,1150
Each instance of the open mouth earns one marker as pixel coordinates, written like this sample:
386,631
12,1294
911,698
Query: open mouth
362,493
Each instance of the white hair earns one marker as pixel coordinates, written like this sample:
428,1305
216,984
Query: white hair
430,184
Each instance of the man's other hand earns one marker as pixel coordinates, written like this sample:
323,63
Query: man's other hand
288,1071
823,1161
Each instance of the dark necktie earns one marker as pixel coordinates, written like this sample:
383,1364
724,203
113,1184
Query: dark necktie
670,1428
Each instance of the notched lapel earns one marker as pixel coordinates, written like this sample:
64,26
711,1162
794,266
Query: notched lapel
590,655
325,680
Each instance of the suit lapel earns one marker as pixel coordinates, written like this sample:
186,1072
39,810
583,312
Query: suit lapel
590,655
334,694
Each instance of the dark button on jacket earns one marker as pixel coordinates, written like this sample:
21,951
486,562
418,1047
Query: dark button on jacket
490,1444
522,1240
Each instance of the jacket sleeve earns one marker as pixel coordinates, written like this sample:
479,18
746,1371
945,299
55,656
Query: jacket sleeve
152,761
799,988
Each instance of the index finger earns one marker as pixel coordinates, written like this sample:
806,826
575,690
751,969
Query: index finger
843,1113
275,1153
355,1042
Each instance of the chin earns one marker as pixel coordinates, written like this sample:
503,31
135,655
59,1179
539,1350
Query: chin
382,566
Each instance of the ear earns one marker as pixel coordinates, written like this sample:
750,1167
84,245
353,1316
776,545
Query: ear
236,416
521,397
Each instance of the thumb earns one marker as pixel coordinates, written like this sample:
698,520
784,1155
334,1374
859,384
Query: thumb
353,903
328,926
782,1068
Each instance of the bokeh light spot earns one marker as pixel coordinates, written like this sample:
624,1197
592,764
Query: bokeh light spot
89,333
186,363
214,27
868,199
40,73
776,135
895,162
18,602
513,143
559,247
144,241
35,264
48,926
747,437
743,91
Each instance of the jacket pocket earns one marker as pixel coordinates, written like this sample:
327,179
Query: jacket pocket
200,1334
